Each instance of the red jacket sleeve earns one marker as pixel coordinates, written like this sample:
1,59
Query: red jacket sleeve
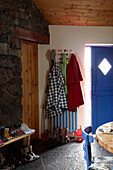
73,71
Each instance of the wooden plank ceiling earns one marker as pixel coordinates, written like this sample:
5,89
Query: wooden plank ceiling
77,12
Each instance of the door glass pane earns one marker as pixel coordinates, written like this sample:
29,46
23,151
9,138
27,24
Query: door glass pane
104,66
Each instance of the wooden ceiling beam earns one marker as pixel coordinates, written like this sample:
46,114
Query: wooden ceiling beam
30,35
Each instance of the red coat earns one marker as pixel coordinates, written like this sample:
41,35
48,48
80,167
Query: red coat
74,76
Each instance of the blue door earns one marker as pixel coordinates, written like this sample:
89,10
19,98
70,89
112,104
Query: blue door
102,85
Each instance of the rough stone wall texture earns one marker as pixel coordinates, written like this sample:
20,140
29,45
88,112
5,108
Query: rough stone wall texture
22,13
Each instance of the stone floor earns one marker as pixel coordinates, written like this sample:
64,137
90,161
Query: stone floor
69,156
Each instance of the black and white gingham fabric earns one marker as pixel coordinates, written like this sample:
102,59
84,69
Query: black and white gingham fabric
56,98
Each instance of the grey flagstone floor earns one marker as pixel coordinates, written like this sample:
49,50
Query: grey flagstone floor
69,156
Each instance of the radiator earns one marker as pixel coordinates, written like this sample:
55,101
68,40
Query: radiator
67,120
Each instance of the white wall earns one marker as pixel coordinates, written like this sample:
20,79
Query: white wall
75,38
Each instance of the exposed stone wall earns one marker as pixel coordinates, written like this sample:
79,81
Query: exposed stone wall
13,13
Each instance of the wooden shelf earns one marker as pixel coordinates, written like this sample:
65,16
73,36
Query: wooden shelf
15,139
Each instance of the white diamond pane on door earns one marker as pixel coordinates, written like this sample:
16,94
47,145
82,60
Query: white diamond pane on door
104,66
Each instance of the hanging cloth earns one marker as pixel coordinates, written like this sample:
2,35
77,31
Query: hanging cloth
56,98
64,69
53,54
52,58
74,76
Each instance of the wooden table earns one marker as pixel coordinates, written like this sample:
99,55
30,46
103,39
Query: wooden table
105,139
